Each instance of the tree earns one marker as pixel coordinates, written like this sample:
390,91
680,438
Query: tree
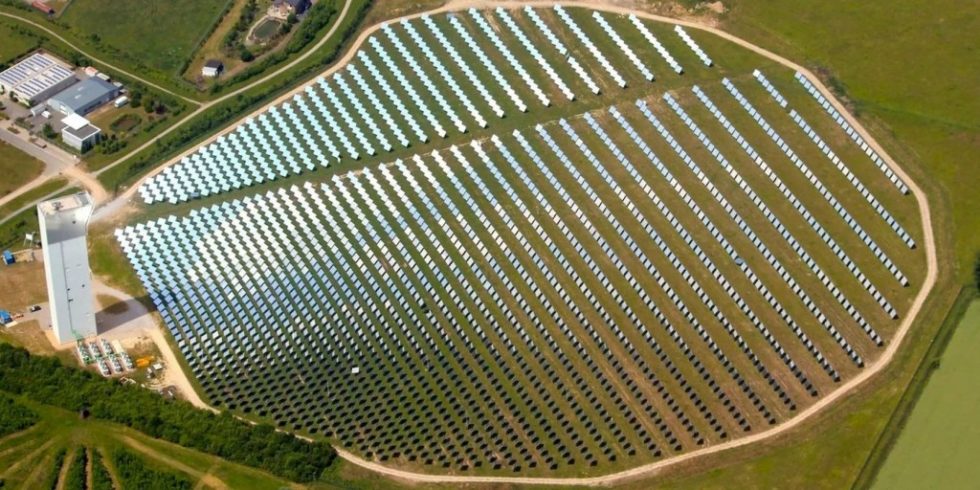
246,55
48,131
46,380
976,273
149,105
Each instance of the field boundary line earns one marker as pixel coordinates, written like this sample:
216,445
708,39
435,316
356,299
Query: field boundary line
653,468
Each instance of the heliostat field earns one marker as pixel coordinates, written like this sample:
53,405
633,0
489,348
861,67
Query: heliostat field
534,241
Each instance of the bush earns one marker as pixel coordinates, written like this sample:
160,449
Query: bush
234,37
976,273
133,473
51,479
14,417
101,480
46,380
75,478
49,131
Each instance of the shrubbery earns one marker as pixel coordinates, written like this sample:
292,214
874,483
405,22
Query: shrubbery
133,473
46,380
101,480
75,478
976,273
54,471
14,417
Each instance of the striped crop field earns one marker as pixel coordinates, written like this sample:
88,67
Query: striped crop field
536,242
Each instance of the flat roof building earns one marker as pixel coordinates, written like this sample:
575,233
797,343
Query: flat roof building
64,225
35,78
83,97
79,133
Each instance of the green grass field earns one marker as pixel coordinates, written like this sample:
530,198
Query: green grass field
938,445
17,168
13,43
159,34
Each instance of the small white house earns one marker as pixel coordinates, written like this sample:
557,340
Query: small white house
212,68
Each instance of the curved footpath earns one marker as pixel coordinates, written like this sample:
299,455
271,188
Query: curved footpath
655,467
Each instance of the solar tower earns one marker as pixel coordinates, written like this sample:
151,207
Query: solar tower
64,223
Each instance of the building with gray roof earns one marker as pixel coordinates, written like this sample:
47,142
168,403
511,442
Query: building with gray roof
83,97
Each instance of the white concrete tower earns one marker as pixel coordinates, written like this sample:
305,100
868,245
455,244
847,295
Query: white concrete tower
64,223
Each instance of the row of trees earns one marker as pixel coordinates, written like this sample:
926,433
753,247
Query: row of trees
54,471
14,417
48,381
234,40
75,478
133,473
976,273
101,480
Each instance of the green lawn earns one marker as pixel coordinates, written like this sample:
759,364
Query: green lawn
17,168
160,34
938,446
13,43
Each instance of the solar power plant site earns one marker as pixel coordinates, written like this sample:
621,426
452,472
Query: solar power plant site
535,241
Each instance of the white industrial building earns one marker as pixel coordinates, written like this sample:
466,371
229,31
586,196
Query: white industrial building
64,224
79,133
36,78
